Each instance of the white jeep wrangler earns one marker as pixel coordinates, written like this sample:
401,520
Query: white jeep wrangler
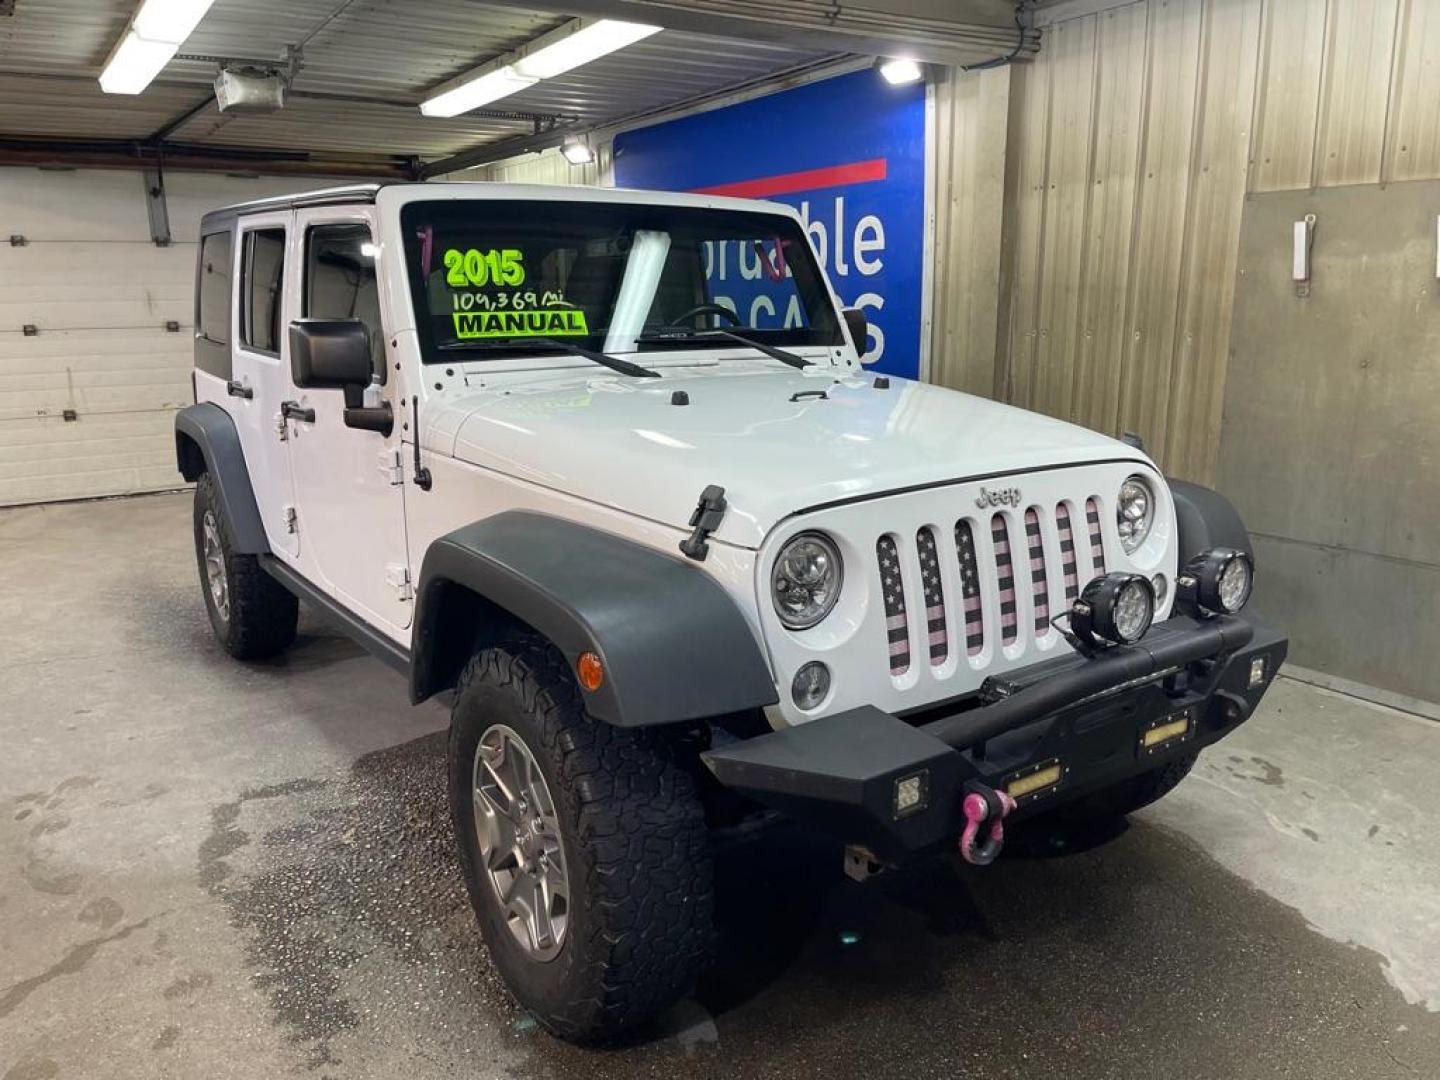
606,465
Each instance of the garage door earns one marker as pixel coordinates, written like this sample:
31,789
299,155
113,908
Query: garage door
90,375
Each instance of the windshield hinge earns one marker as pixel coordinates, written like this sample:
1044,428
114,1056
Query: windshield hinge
391,466
709,512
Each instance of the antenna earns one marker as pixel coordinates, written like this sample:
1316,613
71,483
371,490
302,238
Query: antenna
422,474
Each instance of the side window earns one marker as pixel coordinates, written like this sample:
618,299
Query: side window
212,304
213,320
340,281
262,278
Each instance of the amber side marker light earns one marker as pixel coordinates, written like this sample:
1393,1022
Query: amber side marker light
590,671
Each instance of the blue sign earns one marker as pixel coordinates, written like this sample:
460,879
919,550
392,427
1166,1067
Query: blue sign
849,154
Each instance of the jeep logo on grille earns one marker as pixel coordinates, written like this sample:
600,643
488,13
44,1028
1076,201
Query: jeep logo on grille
998,497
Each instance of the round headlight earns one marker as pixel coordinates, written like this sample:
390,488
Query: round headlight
1116,608
1215,582
805,581
1134,513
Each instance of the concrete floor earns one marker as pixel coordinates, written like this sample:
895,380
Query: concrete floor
219,870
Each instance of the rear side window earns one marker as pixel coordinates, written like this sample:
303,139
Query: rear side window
340,281
214,313
261,281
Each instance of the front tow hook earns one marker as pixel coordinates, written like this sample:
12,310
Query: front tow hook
983,806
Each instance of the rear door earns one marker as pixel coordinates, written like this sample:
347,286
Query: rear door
348,482
259,376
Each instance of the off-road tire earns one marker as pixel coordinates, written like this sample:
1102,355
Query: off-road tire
637,850
262,614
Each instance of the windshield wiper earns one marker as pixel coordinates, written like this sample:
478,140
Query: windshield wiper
680,333
614,363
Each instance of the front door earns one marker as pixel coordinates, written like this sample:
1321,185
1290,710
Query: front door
349,491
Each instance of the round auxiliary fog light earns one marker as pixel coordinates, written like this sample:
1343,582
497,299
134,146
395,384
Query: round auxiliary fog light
810,686
1116,608
1215,582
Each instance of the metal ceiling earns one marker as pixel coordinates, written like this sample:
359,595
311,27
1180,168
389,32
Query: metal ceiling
366,65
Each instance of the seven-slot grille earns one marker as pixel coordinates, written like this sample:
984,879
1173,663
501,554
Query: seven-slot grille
940,577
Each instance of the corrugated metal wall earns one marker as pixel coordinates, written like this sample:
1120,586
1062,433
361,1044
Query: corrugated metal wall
967,135
549,167
1134,139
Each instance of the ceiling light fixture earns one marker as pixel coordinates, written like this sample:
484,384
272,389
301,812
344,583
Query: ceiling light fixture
154,35
901,70
553,54
577,152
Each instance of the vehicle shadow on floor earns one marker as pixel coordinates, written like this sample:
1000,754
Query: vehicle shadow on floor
1139,956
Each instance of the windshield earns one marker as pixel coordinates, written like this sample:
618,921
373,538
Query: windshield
612,277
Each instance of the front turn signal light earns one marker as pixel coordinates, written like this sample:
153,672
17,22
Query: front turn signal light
590,671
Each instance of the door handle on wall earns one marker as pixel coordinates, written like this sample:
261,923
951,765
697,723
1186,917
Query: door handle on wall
235,388
293,410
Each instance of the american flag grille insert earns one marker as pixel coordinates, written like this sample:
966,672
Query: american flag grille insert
1005,571
1097,546
970,589
1067,553
892,588
1040,588
1003,575
934,596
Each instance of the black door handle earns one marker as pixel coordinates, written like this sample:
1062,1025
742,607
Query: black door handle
235,388
293,410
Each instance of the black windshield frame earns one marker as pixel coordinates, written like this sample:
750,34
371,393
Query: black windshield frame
430,226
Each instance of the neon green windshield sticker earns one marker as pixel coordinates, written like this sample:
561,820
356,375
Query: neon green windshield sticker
544,322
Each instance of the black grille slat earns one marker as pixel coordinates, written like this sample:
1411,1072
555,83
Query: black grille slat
1097,542
1005,573
1068,569
970,589
892,589
934,596
1039,580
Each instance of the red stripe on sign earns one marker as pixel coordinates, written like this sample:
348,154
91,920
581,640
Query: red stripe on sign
857,172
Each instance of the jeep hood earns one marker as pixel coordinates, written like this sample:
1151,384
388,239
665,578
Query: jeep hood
767,437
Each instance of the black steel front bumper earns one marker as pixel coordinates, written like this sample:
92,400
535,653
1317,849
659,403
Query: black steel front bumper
894,785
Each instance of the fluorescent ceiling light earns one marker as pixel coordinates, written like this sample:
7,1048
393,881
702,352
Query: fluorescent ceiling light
497,84
170,20
900,71
552,55
584,45
577,152
134,64
156,33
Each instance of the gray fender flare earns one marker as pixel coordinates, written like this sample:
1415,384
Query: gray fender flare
1205,519
206,441
674,645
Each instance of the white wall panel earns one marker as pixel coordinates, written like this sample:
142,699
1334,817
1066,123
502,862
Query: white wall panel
99,294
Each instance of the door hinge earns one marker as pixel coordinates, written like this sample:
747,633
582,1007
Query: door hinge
291,519
391,466
398,578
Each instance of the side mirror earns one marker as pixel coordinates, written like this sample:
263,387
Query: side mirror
330,354
859,328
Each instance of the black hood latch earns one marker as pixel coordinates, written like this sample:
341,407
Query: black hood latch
709,512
